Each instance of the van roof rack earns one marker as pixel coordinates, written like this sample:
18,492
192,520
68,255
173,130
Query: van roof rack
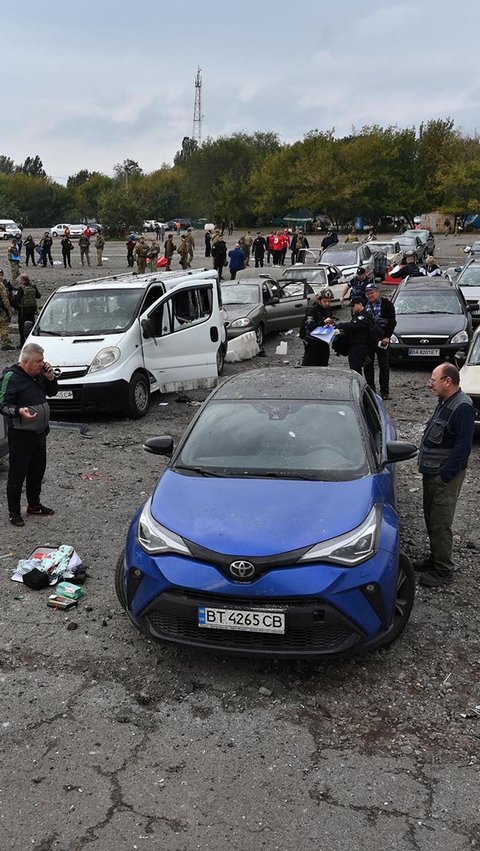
149,278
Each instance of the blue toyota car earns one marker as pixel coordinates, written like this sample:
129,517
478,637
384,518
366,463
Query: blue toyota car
273,529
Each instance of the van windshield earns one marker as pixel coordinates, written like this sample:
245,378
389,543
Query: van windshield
81,313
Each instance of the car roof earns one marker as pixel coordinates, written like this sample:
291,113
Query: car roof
327,384
424,283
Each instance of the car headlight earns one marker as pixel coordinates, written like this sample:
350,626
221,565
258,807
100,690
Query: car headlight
461,337
104,358
240,323
394,338
155,538
353,547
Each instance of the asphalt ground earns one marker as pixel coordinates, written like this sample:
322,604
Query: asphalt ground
112,742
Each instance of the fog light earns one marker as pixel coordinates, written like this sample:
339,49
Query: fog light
137,573
370,588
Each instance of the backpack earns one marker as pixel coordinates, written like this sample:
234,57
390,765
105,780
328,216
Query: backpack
29,301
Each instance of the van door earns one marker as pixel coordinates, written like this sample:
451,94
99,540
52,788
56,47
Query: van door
183,336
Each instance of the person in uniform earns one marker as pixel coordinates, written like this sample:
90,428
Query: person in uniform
317,315
67,248
190,240
359,334
99,246
382,311
169,250
141,251
5,317
84,245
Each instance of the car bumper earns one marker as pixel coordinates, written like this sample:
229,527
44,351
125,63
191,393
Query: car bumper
105,397
232,333
329,611
399,353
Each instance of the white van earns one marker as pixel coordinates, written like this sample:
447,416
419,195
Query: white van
9,229
114,341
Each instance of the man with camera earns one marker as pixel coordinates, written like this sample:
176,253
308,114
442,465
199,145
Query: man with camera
24,389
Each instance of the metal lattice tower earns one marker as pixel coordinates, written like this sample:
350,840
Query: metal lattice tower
197,109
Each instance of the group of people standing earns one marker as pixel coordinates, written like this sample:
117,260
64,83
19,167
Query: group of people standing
40,253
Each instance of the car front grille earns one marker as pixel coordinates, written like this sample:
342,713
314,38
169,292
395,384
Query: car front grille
311,627
425,340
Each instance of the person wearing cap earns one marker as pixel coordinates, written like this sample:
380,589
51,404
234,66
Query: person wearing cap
382,312
431,269
359,334
410,270
356,285
317,315
330,239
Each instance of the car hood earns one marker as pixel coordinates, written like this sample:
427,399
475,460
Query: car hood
430,323
259,517
470,293
238,311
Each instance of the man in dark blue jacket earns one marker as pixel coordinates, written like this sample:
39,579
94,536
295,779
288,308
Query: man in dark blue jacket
237,261
442,461
23,401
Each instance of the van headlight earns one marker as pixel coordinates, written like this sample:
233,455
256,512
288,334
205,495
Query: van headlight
353,547
461,337
155,538
104,358
393,338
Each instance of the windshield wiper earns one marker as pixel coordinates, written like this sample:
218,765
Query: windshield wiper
50,333
200,471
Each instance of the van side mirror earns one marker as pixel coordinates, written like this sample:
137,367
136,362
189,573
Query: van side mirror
147,328
162,445
459,358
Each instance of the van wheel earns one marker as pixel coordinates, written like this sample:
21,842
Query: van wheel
404,597
220,359
119,584
138,396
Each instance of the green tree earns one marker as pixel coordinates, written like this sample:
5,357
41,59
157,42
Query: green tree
121,210
32,166
189,145
127,171
7,166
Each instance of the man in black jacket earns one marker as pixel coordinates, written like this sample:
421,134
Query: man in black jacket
318,315
382,312
23,401
359,334
410,270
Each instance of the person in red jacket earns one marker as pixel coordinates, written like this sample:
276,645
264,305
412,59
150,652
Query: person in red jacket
270,247
285,245
277,248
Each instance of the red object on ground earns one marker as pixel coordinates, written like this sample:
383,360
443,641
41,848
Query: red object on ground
161,262
394,282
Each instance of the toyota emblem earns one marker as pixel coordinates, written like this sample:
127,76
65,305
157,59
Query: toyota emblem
242,569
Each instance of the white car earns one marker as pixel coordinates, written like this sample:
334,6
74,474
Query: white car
470,372
76,231
391,249
9,229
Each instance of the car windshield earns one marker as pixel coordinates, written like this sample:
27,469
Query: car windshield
388,247
409,303
312,276
276,438
423,234
470,277
81,313
241,294
341,256
407,240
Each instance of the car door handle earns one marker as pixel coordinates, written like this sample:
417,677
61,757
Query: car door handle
299,305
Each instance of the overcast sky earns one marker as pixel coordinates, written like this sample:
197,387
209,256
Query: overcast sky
95,83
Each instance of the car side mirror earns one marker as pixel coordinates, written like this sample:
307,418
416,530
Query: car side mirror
162,445
400,450
460,358
472,308
273,300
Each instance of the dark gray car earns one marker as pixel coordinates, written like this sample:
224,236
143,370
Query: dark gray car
263,306
426,237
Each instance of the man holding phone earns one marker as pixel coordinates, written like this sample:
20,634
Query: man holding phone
24,389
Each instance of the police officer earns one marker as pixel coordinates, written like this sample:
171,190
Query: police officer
442,461
359,334
317,315
382,312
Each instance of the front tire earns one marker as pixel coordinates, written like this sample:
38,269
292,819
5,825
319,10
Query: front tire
54,233
138,396
220,359
119,583
404,598
260,335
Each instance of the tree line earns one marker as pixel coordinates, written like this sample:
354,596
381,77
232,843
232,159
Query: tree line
252,178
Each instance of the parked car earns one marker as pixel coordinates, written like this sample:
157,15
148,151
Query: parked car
473,249
317,277
172,224
467,278
152,225
433,321
412,244
95,227
470,372
274,529
9,229
348,257
76,231
263,306
391,250
426,236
